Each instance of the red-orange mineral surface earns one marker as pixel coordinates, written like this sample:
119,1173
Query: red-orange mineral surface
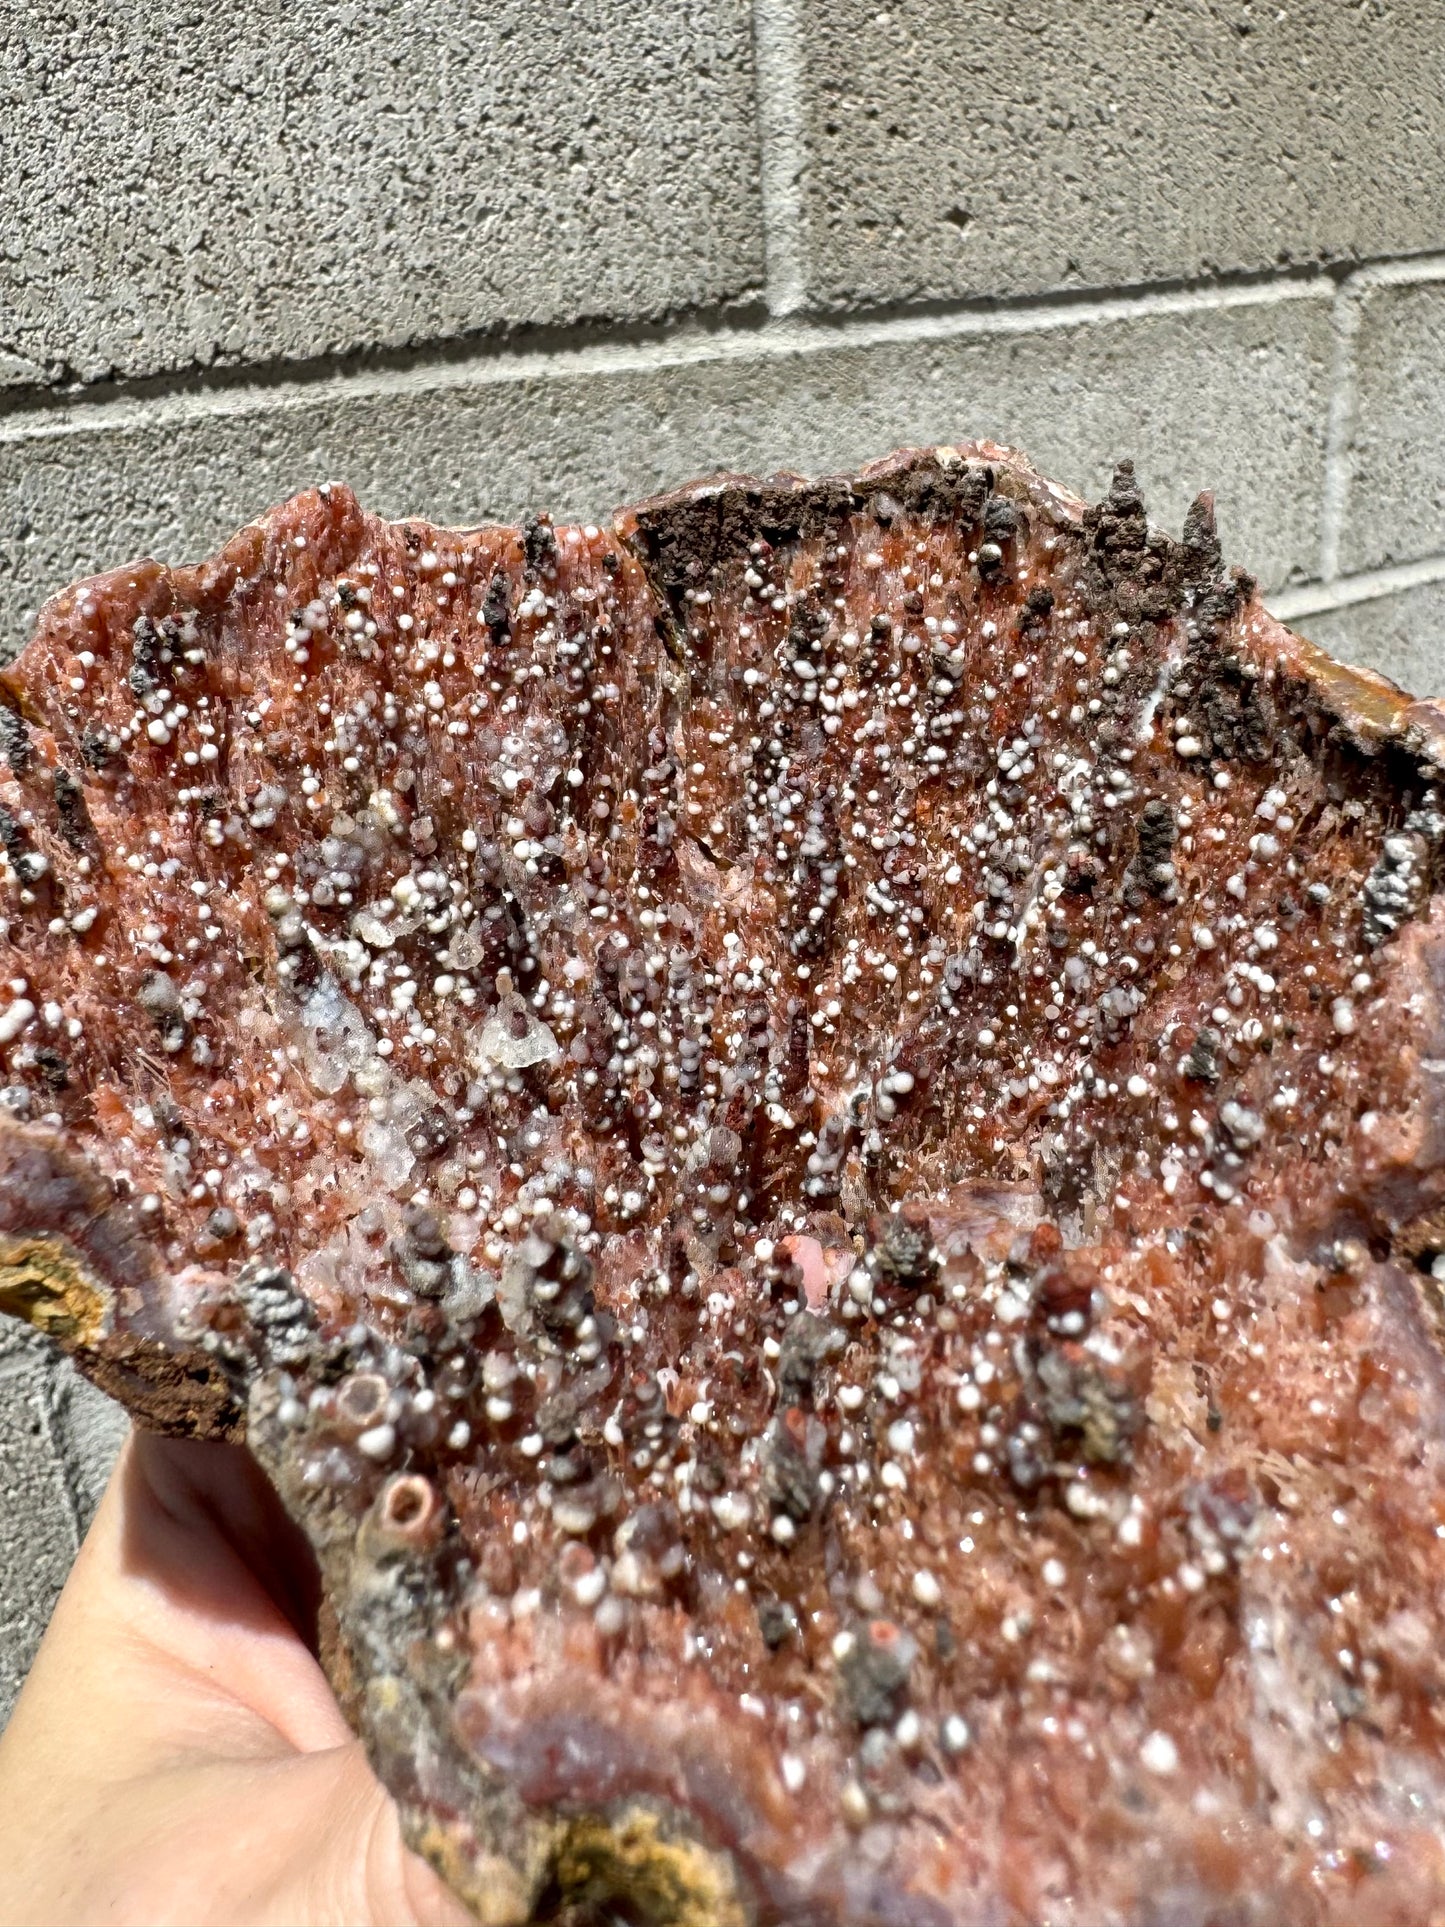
807,1134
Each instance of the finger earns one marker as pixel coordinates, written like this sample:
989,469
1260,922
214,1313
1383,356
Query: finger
206,1496
174,1712
164,1641
306,1841
354,1866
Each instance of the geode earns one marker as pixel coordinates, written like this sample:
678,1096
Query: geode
807,1135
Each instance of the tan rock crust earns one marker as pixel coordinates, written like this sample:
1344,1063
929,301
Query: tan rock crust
806,1133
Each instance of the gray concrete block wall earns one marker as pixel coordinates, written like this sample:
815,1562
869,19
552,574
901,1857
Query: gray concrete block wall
957,151
1395,510
58,1437
475,261
1403,627
294,177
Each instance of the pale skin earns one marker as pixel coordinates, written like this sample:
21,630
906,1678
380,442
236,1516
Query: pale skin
176,1755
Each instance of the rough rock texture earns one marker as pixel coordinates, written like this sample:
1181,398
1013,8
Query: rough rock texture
807,1136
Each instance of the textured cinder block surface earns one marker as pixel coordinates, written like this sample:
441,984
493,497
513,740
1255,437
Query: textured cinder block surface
191,184
1402,634
89,1430
1232,397
992,149
1395,505
37,1525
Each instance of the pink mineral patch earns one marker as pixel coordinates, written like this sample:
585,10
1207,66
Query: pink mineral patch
823,1270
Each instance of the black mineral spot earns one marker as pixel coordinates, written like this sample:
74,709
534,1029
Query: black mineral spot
873,1675
14,741
54,1069
496,609
790,1482
1155,834
1201,1065
539,545
75,824
96,748
777,1621
902,1250
807,1341
1078,1399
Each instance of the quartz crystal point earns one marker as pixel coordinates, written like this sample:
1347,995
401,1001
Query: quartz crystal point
806,1134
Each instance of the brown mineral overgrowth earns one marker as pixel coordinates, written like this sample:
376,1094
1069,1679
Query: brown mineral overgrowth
806,1134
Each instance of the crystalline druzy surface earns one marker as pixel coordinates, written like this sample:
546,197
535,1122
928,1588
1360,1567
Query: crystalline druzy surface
806,1133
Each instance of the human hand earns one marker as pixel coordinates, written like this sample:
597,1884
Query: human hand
177,1755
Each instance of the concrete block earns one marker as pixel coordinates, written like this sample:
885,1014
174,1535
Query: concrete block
1402,634
37,1532
992,149
17,1339
1232,398
1395,507
90,1430
188,185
